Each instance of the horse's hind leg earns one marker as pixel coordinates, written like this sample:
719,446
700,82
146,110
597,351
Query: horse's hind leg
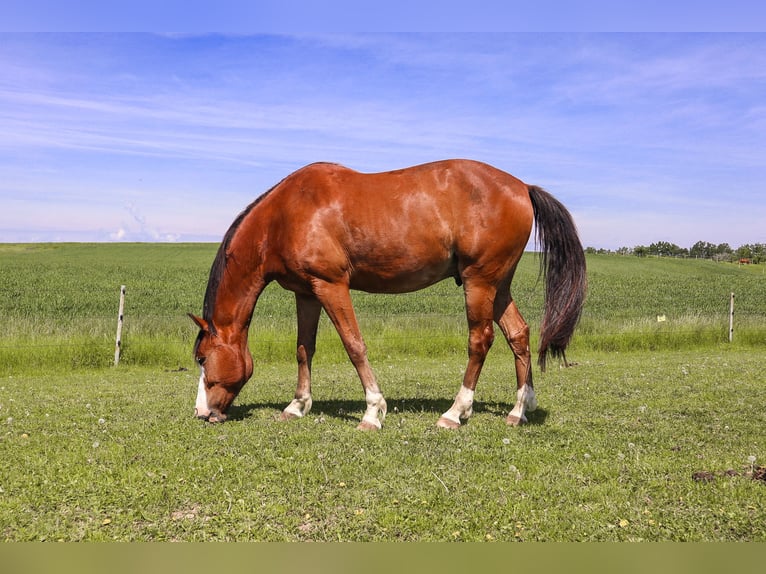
516,332
308,311
478,303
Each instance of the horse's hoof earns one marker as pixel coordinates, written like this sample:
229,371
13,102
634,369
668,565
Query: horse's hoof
287,416
446,423
367,426
514,421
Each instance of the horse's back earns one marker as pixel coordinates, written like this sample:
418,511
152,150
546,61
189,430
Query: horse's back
447,185
405,229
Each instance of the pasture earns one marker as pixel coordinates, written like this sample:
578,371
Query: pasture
655,434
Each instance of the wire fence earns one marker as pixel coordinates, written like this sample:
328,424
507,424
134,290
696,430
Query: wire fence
59,306
79,321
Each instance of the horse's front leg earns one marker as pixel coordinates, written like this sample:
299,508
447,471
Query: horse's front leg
308,311
336,301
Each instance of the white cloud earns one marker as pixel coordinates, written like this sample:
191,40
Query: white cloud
186,131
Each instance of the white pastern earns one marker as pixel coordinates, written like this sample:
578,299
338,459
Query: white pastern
525,401
531,399
298,407
462,408
200,407
376,409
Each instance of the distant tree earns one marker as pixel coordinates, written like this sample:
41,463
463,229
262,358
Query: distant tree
666,249
723,252
744,252
755,252
600,251
702,249
723,248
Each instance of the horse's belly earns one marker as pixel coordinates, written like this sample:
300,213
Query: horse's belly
402,279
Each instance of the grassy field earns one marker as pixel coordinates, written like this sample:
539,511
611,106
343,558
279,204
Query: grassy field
59,307
609,455
653,435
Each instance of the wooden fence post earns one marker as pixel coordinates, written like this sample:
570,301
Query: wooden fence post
731,318
118,342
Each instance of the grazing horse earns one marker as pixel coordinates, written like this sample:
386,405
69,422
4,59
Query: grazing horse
326,229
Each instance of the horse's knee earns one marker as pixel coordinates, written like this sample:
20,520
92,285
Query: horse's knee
357,351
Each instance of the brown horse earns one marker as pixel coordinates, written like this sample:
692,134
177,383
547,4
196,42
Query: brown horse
326,229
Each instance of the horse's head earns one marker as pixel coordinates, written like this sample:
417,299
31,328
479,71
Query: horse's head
225,366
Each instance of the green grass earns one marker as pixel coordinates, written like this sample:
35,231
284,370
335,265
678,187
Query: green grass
94,452
609,455
627,295
59,307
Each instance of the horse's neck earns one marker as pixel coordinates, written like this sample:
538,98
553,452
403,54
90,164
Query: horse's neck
241,284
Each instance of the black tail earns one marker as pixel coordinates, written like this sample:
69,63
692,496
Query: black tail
563,264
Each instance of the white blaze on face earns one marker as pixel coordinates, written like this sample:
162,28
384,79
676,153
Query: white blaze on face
200,408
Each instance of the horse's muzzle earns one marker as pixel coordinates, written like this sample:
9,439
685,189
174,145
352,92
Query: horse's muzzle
213,417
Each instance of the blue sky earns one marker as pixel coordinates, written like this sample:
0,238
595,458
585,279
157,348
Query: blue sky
166,137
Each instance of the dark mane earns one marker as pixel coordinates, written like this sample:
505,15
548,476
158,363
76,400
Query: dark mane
219,264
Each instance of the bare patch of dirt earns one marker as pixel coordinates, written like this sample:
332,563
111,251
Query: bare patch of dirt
703,476
756,473
190,513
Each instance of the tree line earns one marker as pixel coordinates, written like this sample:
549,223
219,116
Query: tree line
752,253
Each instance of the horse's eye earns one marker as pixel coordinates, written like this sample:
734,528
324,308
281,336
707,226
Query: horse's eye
201,361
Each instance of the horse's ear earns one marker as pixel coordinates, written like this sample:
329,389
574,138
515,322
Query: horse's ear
201,323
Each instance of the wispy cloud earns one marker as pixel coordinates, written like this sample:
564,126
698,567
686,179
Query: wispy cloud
615,125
